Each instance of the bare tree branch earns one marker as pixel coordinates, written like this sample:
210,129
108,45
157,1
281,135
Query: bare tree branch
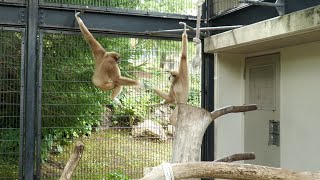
237,157
234,171
73,161
232,109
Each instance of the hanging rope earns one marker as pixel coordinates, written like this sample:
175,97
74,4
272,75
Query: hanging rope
167,169
197,58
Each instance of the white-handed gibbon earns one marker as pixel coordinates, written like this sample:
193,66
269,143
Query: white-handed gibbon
107,75
179,88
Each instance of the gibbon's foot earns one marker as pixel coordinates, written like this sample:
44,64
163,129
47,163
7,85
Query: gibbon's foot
147,85
141,85
117,101
159,104
197,40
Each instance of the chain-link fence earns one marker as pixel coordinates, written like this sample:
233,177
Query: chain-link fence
73,109
221,6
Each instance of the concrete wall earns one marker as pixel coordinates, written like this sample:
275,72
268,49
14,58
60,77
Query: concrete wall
229,90
299,104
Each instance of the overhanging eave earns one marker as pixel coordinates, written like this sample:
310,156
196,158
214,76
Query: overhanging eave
292,29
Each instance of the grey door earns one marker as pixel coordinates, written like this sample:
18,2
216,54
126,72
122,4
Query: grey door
262,88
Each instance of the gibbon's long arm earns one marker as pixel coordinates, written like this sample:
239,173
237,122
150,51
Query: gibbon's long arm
107,75
97,49
167,97
183,67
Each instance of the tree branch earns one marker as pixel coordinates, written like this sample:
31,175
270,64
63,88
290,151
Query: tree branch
234,171
232,109
237,157
73,161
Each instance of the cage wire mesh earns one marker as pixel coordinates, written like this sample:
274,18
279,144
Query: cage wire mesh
220,6
10,84
185,7
73,109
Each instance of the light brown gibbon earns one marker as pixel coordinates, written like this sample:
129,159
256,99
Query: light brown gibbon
179,89
107,75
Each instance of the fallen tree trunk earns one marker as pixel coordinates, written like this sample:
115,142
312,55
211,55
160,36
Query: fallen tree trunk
73,162
229,171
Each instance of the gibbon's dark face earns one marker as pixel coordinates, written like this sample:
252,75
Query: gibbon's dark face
173,76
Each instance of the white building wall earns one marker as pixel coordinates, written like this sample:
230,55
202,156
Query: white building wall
229,90
300,107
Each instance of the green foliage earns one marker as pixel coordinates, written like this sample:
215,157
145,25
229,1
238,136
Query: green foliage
132,110
72,106
10,145
195,91
117,176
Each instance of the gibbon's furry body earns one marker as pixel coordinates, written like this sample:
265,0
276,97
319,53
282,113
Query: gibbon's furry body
107,75
179,89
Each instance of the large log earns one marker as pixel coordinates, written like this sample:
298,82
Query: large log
237,157
73,162
229,171
191,126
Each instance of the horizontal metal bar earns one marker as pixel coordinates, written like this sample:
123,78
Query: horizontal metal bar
13,2
194,30
115,10
100,32
104,21
4,28
201,29
12,15
109,23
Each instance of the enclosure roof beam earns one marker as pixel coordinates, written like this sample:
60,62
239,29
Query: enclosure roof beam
13,15
110,21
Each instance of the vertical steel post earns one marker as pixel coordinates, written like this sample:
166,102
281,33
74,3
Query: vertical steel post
22,106
207,100
39,102
207,95
30,89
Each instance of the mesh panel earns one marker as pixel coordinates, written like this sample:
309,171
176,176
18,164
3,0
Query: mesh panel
186,7
10,67
73,109
220,6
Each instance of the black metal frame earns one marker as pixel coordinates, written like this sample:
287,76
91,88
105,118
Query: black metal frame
107,21
22,106
207,93
43,17
38,18
39,102
31,89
